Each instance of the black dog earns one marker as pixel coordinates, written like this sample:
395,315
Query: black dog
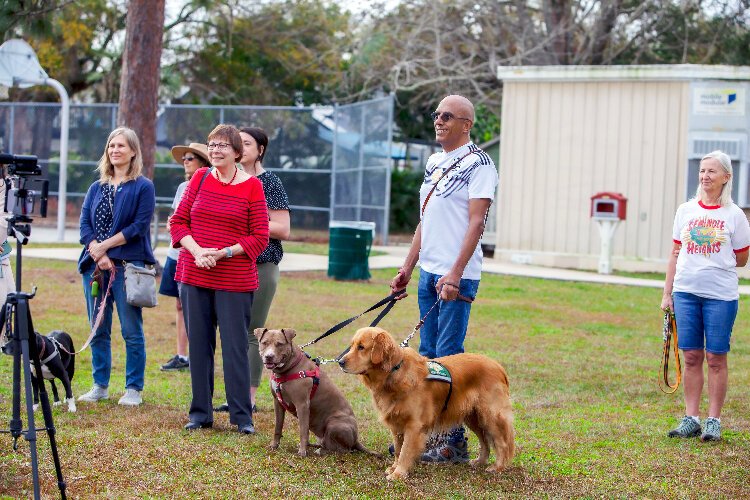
58,361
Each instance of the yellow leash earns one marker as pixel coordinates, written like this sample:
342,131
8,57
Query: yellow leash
670,334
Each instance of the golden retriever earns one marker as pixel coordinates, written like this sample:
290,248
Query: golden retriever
413,407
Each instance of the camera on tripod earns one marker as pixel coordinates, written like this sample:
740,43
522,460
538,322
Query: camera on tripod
20,200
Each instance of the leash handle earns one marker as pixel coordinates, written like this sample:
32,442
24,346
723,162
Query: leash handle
670,336
390,300
99,314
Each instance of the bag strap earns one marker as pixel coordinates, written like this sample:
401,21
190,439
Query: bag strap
205,174
445,172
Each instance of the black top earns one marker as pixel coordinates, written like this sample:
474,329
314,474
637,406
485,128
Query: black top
103,216
276,199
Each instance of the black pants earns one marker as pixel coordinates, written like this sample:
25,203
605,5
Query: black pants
205,309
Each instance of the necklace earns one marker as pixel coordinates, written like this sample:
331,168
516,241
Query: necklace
218,177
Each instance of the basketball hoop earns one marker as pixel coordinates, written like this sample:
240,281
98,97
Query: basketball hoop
19,66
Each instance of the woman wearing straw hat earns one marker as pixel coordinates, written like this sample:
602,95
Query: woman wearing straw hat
192,157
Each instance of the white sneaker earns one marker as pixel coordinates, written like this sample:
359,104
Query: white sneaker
95,394
131,398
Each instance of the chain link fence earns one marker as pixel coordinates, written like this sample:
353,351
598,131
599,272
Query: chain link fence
334,161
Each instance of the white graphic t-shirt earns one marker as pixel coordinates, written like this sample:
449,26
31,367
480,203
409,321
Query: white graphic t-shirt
446,216
710,238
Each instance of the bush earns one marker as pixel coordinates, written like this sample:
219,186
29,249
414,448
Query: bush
405,200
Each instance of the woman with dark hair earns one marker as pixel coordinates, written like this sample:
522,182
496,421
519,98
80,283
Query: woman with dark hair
222,226
255,145
115,229
711,238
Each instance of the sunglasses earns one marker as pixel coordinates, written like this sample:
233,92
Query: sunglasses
188,158
446,116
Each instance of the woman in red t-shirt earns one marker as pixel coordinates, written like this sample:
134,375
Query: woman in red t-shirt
222,227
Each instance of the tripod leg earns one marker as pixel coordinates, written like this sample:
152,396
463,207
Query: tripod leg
16,426
23,318
31,431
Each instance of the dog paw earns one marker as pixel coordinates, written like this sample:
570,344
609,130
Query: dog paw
57,403
273,446
36,407
397,475
72,407
477,462
302,453
494,468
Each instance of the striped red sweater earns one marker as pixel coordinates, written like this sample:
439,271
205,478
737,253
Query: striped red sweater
220,216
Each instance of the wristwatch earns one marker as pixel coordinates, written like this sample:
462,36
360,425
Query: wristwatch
229,251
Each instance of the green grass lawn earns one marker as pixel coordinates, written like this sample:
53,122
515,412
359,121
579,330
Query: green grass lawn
583,362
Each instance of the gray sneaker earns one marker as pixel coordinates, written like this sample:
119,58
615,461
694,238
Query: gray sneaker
711,430
688,428
451,447
95,394
131,398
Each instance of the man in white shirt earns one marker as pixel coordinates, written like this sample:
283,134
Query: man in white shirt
458,189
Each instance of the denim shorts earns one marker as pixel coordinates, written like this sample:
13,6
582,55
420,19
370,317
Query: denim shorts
168,285
704,323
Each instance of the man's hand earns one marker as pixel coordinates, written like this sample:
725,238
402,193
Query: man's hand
447,287
400,281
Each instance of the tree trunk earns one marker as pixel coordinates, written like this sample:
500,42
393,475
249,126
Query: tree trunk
139,87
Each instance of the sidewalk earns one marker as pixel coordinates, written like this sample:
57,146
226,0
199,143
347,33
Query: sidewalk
394,259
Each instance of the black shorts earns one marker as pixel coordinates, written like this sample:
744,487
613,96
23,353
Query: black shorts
168,285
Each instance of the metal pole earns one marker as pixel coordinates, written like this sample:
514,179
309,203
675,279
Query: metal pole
62,184
334,162
388,171
360,170
12,128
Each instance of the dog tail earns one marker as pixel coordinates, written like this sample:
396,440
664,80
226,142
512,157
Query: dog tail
360,447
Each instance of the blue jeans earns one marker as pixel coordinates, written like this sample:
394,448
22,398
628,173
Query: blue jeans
131,322
444,329
700,319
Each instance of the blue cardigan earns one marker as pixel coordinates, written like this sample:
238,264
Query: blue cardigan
134,209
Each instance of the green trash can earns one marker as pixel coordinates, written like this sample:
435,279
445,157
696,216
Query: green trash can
348,250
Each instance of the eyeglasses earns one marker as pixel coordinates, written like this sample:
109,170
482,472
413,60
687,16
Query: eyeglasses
219,145
188,158
446,116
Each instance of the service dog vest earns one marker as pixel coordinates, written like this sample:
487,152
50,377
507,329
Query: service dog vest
439,373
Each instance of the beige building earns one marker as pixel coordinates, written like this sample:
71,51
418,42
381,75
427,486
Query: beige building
569,132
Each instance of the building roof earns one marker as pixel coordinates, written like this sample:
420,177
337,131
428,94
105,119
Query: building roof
663,72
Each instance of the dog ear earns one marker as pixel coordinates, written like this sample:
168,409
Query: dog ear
383,351
378,350
258,332
392,355
289,333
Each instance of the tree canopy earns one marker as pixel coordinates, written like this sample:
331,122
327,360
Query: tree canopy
293,52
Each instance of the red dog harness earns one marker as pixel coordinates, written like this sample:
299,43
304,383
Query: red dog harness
277,381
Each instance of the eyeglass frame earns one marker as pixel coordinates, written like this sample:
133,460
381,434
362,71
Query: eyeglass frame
442,115
189,158
219,145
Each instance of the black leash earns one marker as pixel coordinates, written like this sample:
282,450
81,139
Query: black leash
388,302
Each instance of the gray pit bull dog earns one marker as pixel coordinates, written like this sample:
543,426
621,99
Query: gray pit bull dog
302,388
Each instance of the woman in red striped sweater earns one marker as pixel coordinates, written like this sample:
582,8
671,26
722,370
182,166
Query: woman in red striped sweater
222,226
